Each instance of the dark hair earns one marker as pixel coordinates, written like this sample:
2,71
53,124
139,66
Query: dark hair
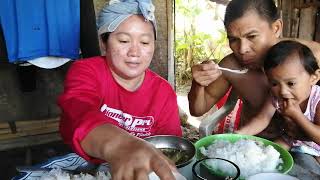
237,8
104,37
279,53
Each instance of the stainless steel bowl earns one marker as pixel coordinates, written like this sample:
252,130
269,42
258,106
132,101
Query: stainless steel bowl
174,142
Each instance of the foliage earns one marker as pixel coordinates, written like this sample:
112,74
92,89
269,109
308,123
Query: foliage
193,46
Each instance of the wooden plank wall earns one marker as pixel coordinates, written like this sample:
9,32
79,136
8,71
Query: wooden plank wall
29,133
300,18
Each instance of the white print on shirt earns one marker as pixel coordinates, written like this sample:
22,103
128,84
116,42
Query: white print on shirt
138,126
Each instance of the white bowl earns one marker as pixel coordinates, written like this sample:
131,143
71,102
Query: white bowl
273,176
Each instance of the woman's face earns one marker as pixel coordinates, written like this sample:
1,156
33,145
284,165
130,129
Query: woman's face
130,48
250,36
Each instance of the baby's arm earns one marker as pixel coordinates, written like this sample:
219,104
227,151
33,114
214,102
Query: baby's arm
282,143
311,129
260,121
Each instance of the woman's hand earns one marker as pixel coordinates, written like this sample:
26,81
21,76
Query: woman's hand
205,73
130,157
136,159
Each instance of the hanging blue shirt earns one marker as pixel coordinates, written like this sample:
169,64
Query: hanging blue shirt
38,28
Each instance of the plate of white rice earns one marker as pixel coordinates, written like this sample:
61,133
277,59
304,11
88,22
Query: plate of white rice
58,168
67,162
252,154
58,174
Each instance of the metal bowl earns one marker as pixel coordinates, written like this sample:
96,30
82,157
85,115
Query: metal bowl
174,142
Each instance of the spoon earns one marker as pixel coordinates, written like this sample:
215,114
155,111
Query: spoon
242,71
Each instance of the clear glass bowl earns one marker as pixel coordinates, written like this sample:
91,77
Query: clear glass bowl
215,169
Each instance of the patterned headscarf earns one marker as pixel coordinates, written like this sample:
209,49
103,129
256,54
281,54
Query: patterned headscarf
112,15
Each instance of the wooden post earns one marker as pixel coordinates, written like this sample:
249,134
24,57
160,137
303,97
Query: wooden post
307,23
317,31
286,6
295,23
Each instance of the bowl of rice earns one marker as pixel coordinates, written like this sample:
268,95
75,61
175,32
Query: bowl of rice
252,154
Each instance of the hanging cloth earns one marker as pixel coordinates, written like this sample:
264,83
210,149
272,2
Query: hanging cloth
40,28
3,48
89,42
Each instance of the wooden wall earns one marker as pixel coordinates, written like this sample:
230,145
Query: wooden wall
300,18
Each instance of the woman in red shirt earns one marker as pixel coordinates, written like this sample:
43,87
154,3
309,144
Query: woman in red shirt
110,102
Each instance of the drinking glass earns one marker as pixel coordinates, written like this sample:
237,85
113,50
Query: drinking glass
215,169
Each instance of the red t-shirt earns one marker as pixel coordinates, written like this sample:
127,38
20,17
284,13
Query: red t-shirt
92,97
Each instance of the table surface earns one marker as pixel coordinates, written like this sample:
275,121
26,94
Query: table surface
297,171
302,173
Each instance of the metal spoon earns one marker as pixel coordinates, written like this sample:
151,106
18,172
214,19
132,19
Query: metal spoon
242,71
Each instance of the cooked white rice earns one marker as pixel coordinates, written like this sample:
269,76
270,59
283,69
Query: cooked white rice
58,174
252,157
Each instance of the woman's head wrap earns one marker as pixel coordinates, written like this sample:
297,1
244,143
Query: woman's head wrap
111,16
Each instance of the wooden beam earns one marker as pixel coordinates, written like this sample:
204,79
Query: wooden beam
29,141
223,2
306,3
29,133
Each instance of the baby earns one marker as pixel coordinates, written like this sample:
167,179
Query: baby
293,73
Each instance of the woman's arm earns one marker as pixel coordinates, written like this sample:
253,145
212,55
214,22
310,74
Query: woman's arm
130,157
97,138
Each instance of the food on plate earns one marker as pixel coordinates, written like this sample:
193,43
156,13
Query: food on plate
180,150
58,174
251,156
178,156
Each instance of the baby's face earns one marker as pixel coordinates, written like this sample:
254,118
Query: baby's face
290,80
